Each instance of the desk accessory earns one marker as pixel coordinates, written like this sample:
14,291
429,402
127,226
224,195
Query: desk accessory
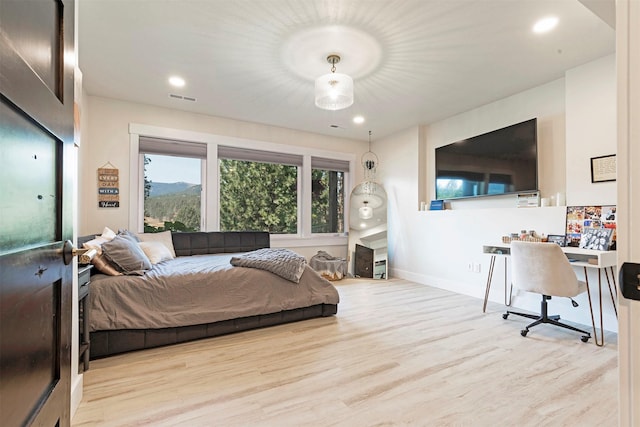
508,239
436,205
596,238
557,238
580,219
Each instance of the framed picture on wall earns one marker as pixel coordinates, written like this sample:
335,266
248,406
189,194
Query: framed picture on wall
603,168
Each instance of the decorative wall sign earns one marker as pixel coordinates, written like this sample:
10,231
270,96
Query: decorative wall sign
603,168
585,220
108,186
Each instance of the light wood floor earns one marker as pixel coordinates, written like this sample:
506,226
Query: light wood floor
396,354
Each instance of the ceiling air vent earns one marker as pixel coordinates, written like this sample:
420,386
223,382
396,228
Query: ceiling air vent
184,98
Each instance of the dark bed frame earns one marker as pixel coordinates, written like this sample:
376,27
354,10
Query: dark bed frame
107,343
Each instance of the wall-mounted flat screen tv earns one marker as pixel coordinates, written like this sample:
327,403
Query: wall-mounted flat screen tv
503,161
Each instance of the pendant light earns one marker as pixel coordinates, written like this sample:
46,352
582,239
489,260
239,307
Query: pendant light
334,91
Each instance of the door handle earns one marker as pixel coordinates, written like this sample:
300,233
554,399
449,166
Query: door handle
68,251
630,280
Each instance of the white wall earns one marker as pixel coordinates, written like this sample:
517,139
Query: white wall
398,172
591,128
106,139
435,248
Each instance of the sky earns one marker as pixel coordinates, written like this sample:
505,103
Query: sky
173,169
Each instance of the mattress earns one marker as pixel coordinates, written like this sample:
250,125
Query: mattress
199,289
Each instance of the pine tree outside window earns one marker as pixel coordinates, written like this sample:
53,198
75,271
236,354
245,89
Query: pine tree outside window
328,195
257,196
291,195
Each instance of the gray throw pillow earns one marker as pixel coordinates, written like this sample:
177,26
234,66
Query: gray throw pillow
126,256
130,234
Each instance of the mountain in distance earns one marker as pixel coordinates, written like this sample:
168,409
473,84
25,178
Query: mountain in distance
166,188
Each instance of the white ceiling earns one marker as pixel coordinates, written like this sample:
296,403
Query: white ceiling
412,61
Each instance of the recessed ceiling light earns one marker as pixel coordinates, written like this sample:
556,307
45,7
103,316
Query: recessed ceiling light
545,24
176,81
358,120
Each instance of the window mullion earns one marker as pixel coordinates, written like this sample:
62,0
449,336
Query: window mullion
212,221
136,199
304,215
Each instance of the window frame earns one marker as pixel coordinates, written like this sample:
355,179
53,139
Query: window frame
340,167
210,217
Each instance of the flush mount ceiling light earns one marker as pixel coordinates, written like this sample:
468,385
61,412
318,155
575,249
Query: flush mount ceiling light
334,91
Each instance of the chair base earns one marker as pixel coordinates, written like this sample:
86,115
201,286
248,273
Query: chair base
543,317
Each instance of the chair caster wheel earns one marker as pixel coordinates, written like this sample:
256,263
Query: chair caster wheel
504,316
524,332
584,338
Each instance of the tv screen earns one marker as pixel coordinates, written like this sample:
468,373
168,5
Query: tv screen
499,162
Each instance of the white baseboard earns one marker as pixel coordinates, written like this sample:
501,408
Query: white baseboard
522,300
436,282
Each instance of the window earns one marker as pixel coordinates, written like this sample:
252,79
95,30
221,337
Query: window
172,186
327,195
258,190
258,196
251,185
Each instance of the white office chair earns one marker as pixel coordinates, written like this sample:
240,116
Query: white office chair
544,269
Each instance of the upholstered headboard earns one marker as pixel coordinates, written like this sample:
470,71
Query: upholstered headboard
199,243
219,242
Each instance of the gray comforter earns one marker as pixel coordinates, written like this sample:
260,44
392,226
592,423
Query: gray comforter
199,289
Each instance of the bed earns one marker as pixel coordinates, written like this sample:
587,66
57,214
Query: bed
200,294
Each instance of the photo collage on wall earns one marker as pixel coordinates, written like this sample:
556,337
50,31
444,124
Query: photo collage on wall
591,227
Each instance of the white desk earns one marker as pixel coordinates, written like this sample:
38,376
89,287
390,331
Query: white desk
585,258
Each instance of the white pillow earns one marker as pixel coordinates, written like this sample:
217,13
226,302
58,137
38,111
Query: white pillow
163,237
155,251
106,236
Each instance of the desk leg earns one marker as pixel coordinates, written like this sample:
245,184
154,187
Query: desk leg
492,263
507,302
593,322
613,299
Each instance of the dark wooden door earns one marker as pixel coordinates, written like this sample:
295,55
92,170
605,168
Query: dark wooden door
36,172
364,262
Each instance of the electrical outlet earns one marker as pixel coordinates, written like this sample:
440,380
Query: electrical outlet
476,268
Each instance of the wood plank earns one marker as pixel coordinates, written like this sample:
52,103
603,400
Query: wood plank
397,353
